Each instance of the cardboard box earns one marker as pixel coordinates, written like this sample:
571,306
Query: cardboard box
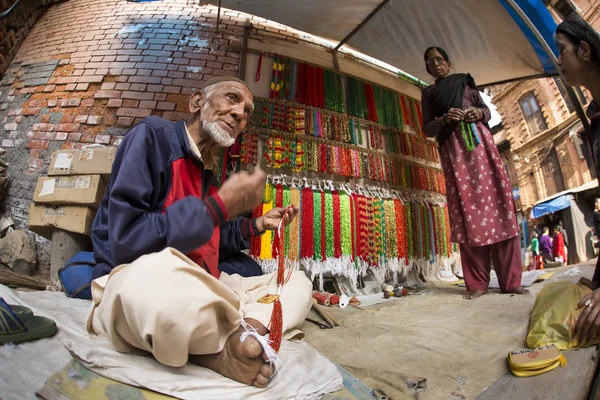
43,219
97,160
82,190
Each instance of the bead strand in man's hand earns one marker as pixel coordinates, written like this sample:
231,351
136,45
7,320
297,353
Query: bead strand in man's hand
270,221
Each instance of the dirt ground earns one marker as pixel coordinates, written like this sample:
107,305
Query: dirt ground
459,346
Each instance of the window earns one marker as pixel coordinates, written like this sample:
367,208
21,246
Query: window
552,173
533,114
564,8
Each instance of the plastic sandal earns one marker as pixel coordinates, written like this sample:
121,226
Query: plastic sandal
22,326
21,310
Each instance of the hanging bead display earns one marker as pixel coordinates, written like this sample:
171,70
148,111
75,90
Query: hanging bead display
347,234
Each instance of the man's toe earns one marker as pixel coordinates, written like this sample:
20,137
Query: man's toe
266,370
261,381
252,348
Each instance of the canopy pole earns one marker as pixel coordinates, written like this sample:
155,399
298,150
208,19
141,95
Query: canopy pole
219,16
336,68
548,50
359,26
244,55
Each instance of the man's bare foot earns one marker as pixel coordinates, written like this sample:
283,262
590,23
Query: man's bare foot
243,362
519,290
474,294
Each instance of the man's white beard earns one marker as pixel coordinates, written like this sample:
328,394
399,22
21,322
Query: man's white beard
217,133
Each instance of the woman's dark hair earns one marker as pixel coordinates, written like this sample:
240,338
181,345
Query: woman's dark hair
440,50
577,30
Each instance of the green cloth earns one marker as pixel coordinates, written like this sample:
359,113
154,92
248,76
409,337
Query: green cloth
535,245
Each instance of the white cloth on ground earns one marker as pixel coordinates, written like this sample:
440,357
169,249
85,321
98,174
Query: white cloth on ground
304,373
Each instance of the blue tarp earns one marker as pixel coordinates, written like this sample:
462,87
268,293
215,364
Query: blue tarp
516,192
538,14
548,207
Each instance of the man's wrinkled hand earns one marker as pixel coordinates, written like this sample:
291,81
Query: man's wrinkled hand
243,191
270,221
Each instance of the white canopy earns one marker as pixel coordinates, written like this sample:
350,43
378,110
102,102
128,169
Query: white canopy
486,38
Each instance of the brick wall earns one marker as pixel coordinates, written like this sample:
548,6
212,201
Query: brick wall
90,69
16,26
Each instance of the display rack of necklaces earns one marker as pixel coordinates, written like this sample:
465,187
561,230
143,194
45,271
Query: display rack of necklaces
381,230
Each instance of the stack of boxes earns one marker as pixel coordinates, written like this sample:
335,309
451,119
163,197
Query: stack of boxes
70,195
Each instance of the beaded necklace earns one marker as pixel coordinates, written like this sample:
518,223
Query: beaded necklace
286,203
370,99
328,217
317,201
353,229
293,227
425,230
337,225
467,135
402,240
405,110
255,242
249,150
274,78
265,243
363,223
379,228
346,219
357,102
300,123
448,234
409,232
375,135
392,142
308,223
371,239
293,70
391,242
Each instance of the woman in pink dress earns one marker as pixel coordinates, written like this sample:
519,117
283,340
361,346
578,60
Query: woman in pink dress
480,204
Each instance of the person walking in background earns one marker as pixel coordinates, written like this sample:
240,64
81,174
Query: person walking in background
558,245
482,213
546,245
535,249
563,232
535,245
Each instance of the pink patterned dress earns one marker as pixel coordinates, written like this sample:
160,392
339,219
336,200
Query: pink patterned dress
479,193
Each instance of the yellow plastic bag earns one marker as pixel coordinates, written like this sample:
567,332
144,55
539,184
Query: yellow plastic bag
555,314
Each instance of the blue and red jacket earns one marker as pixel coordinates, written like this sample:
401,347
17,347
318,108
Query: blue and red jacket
159,196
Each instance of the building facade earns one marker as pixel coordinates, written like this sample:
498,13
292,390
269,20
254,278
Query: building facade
539,138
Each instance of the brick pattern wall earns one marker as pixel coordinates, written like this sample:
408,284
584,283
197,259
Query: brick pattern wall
90,69
16,26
